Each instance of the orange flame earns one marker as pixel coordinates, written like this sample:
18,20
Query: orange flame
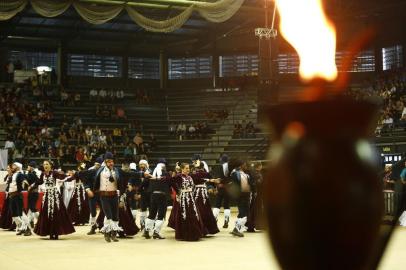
305,26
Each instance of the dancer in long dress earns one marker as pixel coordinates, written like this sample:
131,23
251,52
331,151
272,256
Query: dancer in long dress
175,204
256,204
125,217
53,219
78,208
200,178
6,218
188,222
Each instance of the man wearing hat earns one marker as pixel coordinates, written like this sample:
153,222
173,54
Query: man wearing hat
223,197
13,191
111,184
32,177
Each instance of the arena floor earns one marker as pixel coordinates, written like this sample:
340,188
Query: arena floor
79,251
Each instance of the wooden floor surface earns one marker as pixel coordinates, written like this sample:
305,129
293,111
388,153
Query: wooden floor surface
223,251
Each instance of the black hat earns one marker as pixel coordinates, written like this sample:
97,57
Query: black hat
108,155
99,160
196,157
224,158
32,164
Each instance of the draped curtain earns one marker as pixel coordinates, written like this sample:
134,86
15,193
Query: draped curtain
217,12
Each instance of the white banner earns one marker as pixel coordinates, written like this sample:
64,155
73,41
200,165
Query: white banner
3,159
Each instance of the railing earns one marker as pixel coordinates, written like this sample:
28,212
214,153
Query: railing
261,146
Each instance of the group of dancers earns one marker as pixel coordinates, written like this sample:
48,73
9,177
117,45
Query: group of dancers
72,198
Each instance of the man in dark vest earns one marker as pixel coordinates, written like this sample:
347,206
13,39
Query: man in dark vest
243,185
31,176
111,183
13,191
223,197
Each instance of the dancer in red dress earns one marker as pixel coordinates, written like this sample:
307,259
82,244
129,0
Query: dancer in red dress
53,219
256,203
188,222
200,178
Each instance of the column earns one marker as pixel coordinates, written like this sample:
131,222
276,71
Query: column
163,69
62,63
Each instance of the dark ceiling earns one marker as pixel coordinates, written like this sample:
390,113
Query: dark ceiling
196,36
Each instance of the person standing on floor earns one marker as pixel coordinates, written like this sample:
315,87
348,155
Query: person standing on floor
223,196
6,220
243,185
32,176
159,189
78,207
400,193
188,222
143,166
256,203
13,191
111,183
95,200
200,178
53,219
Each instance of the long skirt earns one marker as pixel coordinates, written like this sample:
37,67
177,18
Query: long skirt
188,222
6,220
53,219
78,208
126,221
172,216
204,208
252,213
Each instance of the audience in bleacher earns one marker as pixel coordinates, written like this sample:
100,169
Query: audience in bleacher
390,89
197,130
33,134
244,131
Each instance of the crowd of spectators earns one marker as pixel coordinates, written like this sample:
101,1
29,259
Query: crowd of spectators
34,133
111,96
244,130
389,89
112,112
197,130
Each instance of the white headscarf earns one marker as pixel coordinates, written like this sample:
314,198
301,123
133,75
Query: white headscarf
19,165
133,166
158,170
143,161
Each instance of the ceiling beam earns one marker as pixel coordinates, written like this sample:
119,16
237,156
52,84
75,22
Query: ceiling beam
118,20
163,4
101,30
